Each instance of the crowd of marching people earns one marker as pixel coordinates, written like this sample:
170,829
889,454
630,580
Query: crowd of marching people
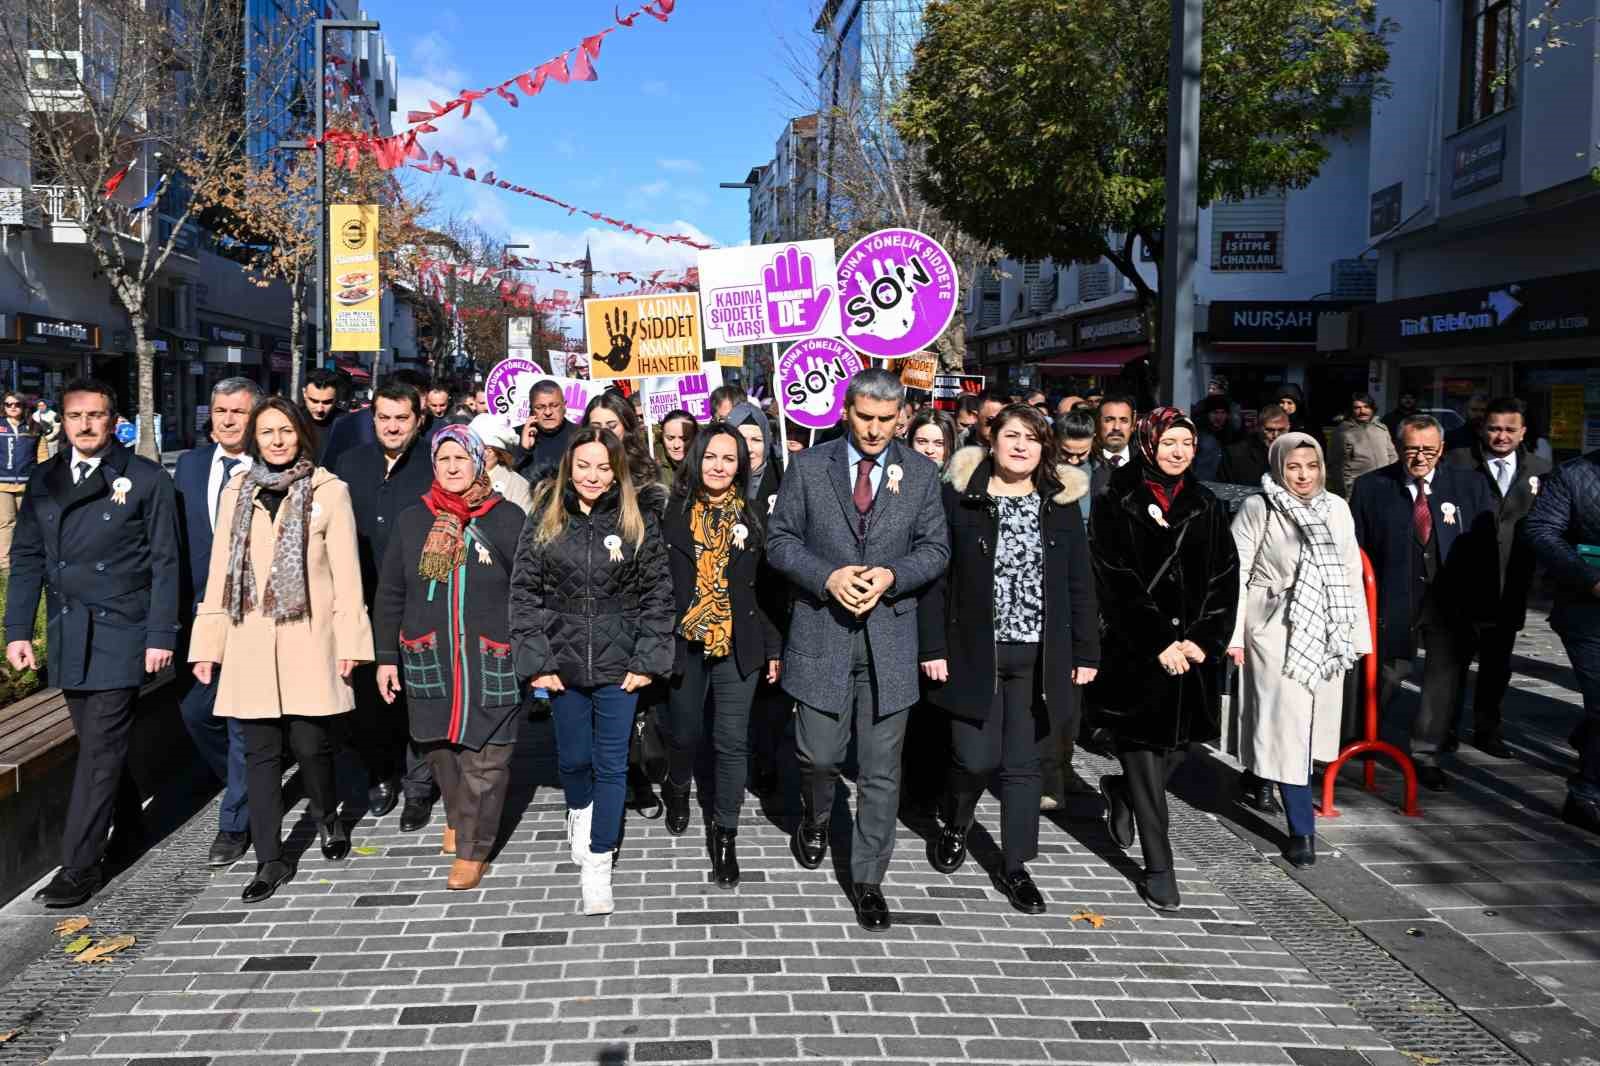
959,598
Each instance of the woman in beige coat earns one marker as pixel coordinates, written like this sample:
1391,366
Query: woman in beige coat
1302,622
284,612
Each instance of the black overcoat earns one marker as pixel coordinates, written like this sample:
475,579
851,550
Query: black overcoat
955,617
755,635
110,571
378,495
1160,582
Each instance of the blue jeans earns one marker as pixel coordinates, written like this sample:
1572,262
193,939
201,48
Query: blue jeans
220,742
1299,809
593,726
1578,624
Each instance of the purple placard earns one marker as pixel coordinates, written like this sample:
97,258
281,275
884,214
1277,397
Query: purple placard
508,388
898,291
812,378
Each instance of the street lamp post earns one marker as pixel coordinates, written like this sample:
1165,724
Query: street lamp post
1176,355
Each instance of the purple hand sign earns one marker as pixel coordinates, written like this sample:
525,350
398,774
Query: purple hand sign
794,304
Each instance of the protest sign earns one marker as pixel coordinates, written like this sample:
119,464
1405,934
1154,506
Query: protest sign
947,389
682,392
918,373
730,356
577,393
508,388
898,290
643,336
812,378
770,292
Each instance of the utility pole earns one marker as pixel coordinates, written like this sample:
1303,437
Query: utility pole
1176,354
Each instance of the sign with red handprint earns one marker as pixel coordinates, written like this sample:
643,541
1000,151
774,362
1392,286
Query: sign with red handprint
898,290
643,336
769,292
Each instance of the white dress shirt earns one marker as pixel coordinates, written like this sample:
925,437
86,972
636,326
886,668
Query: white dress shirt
79,457
1411,484
214,481
1127,456
1503,468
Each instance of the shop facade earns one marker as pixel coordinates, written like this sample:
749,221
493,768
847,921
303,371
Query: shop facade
1261,345
40,354
1081,353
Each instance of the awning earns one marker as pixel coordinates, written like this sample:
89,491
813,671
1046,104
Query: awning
1096,361
356,373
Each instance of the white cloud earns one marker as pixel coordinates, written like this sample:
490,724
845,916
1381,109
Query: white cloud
474,141
678,166
654,189
613,251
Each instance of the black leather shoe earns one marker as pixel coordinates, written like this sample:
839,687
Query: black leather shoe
677,803
228,848
949,850
270,876
1119,815
1301,851
335,836
810,844
724,856
415,815
1258,795
872,910
1022,892
382,797
1432,778
1159,890
1493,744
1452,741
68,888
1583,813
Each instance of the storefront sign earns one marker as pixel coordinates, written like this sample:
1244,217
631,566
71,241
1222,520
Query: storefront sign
61,332
643,336
1540,309
1477,162
730,355
898,290
354,290
1125,326
1268,321
769,292
160,346
1250,250
1385,210
1047,341
812,377
228,335
998,348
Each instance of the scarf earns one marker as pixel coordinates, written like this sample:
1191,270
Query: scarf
286,598
1322,612
1163,486
709,619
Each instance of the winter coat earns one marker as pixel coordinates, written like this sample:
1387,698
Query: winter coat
19,454
110,572
1358,447
577,614
756,639
1300,421
1157,584
1516,557
378,494
1283,725
1244,462
513,486
543,459
955,616
272,669
1565,514
452,639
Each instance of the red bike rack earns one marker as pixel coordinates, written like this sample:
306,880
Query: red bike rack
1370,746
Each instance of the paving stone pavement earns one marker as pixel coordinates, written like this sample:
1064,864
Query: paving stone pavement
372,961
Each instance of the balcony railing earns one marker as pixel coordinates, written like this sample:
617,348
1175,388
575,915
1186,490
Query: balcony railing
63,206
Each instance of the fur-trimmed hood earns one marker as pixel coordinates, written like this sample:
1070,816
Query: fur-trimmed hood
966,461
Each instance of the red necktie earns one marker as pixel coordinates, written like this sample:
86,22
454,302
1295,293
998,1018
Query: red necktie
1421,517
863,493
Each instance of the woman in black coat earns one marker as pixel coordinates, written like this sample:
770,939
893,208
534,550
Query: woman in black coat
1167,573
725,641
591,622
443,614
1007,632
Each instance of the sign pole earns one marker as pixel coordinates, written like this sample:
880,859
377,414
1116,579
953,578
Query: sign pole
783,421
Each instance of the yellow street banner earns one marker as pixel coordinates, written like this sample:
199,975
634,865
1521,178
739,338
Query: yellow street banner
730,355
353,288
918,372
643,336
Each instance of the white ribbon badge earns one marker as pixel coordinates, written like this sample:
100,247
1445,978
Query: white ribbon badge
613,545
1154,511
1448,509
895,474
119,491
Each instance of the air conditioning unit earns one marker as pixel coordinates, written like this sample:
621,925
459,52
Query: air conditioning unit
1355,279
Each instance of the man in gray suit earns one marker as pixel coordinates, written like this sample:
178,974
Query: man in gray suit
859,530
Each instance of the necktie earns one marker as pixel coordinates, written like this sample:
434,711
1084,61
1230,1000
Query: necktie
1421,517
1116,461
227,472
83,469
1502,475
863,493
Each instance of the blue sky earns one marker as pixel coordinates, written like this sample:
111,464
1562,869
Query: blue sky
678,108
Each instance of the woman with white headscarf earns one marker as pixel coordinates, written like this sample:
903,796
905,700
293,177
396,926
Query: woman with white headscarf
1302,623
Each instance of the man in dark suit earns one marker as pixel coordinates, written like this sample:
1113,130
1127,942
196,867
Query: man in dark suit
98,534
319,399
199,480
859,531
1113,433
384,479
1244,462
1430,533
1513,475
546,434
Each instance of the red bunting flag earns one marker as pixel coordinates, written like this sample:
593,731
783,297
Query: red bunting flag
115,181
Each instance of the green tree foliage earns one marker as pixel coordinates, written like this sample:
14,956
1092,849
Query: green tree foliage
1045,121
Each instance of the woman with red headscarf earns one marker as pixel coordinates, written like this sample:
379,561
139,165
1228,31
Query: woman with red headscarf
1167,573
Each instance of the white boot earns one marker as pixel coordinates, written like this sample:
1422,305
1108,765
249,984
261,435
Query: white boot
579,823
595,876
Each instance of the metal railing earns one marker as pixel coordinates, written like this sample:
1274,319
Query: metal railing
63,206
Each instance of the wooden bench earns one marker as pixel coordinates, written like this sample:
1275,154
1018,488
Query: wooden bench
36,735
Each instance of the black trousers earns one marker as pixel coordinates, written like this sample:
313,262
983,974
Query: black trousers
311,741
731,696
101,785
1494,678
381,734
1055,750
1005,740
1146,772
1449,647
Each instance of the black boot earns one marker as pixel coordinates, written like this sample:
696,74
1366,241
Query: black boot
1583,813
1301,851
724,856
677,802
1119,813
1257,794
1159,889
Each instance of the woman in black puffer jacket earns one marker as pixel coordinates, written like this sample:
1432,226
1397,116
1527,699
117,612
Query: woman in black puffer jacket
591,620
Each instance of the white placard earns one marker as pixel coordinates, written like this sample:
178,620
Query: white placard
769,292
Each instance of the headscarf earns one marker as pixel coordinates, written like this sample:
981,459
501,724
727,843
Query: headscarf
446,546
1152,427
286,598
1322,611
748,413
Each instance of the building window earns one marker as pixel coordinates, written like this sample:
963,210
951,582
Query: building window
1488,57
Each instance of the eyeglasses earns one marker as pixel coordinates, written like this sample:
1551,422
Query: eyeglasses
1419,453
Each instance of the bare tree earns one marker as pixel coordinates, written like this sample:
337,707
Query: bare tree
138,111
